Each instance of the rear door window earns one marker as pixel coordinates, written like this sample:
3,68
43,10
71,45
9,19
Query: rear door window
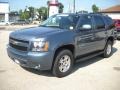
85,20
99,22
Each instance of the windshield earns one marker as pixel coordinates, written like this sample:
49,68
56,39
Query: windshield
63,21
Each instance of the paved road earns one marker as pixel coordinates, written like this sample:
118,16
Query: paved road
95,74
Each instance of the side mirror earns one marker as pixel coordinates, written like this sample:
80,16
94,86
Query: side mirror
86,27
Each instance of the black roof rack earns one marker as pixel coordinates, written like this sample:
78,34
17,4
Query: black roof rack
97,13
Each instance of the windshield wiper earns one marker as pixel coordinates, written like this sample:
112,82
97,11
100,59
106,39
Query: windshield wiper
42,26
54,26
50,26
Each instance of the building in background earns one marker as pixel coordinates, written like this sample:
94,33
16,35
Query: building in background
4,12
113,12
53,7
13,16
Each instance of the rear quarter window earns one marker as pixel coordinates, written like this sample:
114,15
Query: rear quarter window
110,23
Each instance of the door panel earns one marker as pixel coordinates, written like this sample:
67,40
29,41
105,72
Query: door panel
85,37
100,36
100,32
84,42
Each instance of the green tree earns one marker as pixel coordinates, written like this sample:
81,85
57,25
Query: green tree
31,12
24,14
21,14
95,8
42,13
61,7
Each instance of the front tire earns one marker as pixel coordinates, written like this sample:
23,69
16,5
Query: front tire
108,49
63,63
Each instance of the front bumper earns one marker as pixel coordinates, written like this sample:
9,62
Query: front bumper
36,60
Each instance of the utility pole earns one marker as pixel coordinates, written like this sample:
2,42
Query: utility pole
74,6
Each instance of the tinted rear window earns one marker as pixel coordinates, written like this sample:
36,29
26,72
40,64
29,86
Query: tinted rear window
110,22
99,23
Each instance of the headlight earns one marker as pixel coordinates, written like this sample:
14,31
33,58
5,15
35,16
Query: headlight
40,46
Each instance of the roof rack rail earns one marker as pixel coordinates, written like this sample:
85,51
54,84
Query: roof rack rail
82,12
96,13
99,13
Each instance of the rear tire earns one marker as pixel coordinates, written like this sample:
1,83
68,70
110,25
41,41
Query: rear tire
118,38
63,63
108,49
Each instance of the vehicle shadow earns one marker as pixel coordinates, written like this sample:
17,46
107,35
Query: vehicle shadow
118,39
90,61
81,64
47,73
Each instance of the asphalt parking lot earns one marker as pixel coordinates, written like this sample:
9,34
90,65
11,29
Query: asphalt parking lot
94,74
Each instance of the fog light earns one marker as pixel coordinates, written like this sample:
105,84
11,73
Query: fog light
16,61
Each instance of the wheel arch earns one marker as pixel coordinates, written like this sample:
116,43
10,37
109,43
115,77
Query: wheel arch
111,38
70,47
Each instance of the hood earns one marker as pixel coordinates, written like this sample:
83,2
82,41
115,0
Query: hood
34,32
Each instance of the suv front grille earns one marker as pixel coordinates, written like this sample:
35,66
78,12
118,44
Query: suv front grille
18,44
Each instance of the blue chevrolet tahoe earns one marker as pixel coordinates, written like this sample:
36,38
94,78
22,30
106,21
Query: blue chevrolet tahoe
62,40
